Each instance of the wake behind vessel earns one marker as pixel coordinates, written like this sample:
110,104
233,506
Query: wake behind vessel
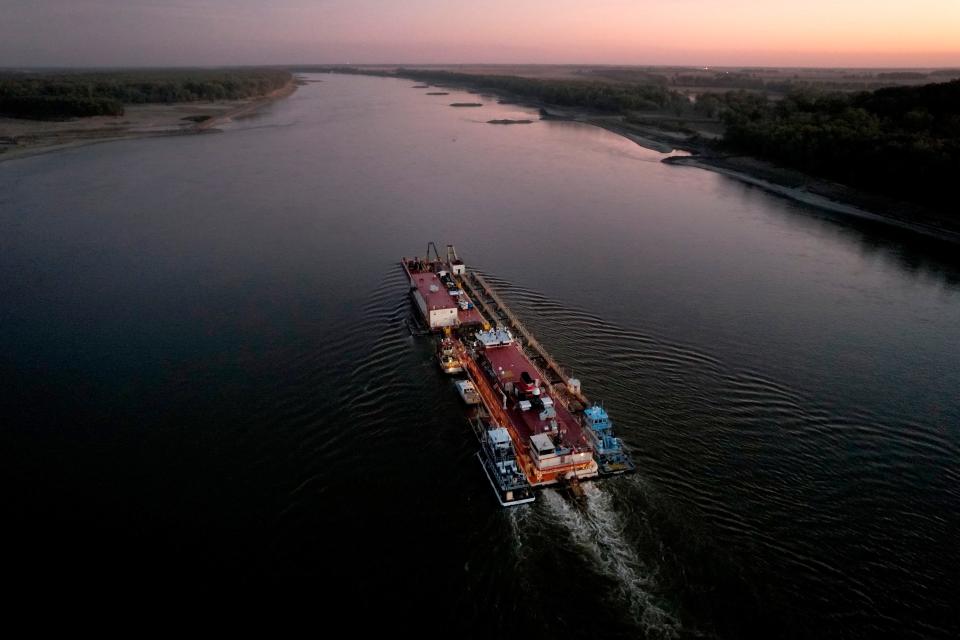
556,436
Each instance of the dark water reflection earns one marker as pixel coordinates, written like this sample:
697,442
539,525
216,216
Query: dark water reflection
206,371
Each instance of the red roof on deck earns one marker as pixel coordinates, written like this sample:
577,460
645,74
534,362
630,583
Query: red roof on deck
438,299
441,298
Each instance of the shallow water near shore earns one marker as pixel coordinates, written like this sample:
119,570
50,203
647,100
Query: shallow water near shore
207,371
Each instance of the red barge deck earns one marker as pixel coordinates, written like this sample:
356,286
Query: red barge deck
551,441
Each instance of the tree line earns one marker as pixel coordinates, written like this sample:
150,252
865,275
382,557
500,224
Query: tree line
899,141
80,94
601,96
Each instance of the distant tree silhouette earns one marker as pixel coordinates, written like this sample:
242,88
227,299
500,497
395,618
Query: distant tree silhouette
900,141
81,94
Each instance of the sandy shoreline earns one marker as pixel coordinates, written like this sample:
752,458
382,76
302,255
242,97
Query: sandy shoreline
643,140
804,194
251,107
24,138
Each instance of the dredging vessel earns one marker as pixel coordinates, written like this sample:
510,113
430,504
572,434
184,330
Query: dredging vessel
534,425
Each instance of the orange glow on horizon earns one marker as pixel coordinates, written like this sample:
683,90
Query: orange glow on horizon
762,32
919,33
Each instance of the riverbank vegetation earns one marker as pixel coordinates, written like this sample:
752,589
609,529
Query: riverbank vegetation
598,96
583,94
772,81
902,142
63,95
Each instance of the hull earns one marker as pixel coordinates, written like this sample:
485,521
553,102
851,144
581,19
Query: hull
506,497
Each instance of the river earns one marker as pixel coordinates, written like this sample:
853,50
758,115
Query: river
207,372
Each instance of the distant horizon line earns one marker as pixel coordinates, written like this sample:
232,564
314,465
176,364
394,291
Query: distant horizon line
489,64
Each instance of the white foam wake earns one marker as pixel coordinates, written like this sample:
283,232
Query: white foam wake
599,531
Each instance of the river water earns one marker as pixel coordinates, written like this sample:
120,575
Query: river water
207,372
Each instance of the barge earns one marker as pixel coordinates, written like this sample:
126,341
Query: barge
437,294
534,425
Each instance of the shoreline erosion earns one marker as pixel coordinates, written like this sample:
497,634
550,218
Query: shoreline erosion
818,193
36,137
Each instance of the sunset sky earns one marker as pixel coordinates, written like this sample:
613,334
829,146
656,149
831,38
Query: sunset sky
885,33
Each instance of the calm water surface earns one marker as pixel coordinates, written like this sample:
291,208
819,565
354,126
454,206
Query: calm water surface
206,370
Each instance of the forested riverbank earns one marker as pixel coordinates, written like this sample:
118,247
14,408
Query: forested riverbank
903,142
62,95
66,109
